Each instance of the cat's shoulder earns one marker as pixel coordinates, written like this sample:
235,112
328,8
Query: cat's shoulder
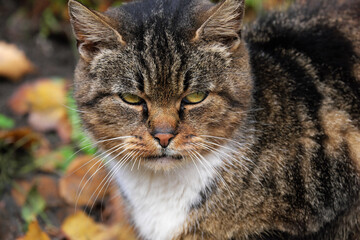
317,29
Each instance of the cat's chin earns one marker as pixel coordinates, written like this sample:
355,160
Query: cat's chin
162,163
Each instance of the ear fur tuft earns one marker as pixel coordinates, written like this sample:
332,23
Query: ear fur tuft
224,23
91,27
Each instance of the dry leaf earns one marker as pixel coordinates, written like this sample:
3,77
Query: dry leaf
83,182
35,233
45,101
26,138
20,191
13,62
18,102
46,186
81,227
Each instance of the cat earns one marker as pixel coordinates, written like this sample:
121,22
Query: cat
217,130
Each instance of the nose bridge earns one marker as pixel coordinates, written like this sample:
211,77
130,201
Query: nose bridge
163,120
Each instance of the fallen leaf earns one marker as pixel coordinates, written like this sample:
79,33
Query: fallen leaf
20,190
24,137
18,102
48,189
45,101
35,233
81,227
13,62
17,148
84,181
57,160
64,129
46,186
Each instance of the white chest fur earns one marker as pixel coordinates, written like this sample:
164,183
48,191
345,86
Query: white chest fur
160,202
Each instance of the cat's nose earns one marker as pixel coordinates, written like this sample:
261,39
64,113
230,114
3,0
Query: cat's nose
164,138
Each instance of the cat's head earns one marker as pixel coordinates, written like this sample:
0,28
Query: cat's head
167,82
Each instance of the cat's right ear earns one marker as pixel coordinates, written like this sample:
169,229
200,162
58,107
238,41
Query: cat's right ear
92,29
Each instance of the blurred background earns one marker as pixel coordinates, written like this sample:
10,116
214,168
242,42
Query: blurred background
49,173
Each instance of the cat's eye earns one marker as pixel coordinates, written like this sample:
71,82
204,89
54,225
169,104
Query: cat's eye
195,97
131,98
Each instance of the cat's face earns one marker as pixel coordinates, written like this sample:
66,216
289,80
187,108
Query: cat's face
157,97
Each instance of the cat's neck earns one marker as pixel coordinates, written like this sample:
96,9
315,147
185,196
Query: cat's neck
160,201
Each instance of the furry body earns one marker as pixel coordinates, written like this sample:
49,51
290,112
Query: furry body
274,148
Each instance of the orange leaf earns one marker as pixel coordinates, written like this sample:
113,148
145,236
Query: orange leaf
18,101
13,62
81,227
83,182
25,137
45,101
46,186
35,233
21,190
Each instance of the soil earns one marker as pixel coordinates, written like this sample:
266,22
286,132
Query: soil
53,57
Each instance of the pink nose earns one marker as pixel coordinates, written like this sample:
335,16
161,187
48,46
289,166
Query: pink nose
164,138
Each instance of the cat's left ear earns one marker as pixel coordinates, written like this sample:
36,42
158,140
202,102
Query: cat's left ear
223,24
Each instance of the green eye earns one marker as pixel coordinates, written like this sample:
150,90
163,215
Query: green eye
131,98
195,97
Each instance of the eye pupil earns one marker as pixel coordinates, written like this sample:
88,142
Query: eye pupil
131,98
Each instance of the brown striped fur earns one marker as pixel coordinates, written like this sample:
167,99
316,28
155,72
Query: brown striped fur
286,89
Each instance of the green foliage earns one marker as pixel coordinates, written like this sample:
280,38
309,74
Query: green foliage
68,153
58,159
6,122
78,136
49,24
254,4
34,206
51,16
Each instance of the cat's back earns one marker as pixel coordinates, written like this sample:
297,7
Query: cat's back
311,52
306,68
328,32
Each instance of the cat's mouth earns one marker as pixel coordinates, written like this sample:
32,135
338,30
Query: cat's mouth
163,162
164,157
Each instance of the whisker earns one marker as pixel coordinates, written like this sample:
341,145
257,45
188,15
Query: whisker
101,159
216,151
93,144
108,176
191,156
74,109
219,176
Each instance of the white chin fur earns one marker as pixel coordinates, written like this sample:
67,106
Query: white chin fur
160,200
162,164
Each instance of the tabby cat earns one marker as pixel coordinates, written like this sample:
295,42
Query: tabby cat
213,130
